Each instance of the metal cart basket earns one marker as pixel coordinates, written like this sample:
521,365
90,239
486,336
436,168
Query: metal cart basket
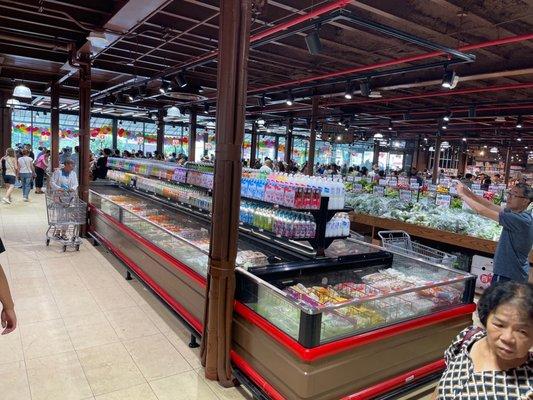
66,213
400,242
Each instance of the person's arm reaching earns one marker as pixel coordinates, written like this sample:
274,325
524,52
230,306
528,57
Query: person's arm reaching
8,316
479,204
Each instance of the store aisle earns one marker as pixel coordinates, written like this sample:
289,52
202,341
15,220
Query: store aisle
85,332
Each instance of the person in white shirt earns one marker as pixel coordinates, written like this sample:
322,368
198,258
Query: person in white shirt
26,172
267,167
65,178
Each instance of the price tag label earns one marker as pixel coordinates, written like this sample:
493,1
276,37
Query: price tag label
406,195
357,188
432,187
453,190
393,183
478,192
476,186
412,181
414,185
357,179
443,200
383,182
446,182
494,188
378,191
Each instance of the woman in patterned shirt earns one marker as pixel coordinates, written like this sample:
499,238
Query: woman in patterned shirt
494,363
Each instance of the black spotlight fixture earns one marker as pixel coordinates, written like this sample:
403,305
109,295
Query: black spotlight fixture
447,116
365,88
181,80
165,86
348,93
143,90
314,46
127,97
206,108
290,98
519,122
261,101
449,79
472,111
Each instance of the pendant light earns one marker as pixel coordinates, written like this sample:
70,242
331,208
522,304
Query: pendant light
12,103
22,91
173,112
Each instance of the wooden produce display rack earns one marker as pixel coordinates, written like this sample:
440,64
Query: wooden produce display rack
453,239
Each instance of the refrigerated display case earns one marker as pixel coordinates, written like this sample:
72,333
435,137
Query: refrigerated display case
356,323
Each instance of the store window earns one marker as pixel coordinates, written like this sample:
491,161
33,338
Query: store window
174,142
300,151
390,161
101,134
150,138
68,131
266,147
323,152
130,136
30,127
281,148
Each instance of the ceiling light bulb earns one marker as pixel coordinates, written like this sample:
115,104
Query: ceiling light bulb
181,80
519,122
260,121
22,91
290,99
348,94
378,135
519,139
98,40
173,112
494,150
449,79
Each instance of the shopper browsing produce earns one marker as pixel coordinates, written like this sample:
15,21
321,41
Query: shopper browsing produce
494,362
511,256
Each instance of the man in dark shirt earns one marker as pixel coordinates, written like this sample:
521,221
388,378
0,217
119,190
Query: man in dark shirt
511,261
101,165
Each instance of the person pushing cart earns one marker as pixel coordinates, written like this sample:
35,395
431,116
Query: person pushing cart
66,212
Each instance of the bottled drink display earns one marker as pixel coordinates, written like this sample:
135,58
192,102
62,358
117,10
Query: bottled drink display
338,226
288,224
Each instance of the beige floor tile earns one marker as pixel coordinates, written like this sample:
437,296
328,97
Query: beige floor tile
180,338
58,377
90,330
75,303
139,392
31,287
22,271
14,382
11,348
234,393
186,386
109,368
131,323
65,283
99,279
159,315
17,257
45,338
58,267
112,299
156,357
36,309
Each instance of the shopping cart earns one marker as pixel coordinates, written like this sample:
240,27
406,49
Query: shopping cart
66,213
400,242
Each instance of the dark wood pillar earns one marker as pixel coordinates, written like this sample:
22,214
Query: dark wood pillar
234,32
463,159
289,141
312,138
5,123
416,152
436,160
508,164
375,159
206,141
160,138
54,125
192,134
114,133
276,150
84,124
253,144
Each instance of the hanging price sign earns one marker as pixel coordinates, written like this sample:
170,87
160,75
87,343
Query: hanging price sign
443,200
357,188
383,182
406,195
479,192
378,191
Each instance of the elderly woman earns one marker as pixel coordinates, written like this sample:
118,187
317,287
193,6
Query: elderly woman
65,178
494,362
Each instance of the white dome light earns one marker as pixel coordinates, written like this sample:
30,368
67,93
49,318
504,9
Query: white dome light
378,136
173,112
494,150
22,91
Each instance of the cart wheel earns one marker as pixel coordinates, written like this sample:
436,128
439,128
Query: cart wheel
77,247
48,241
64,248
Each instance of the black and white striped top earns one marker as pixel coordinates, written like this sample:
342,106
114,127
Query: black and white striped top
460,382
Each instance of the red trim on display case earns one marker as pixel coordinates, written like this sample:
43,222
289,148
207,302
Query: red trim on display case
176,306
258,380
134,235
398,381
365,394
342,345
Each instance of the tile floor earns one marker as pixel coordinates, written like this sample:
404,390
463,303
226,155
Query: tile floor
85,332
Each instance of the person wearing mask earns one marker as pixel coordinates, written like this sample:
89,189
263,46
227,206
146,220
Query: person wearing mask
8,318
267,167
511,256
10,171
493,362
100,171
26,173
41,165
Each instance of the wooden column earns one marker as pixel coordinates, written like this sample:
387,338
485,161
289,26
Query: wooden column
84,125
114,133
276,149
192,134
54,125
463,160
253,144
312,137
508,164
435,173
289,141
160,138
234,32
416,152
5,123
375,159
